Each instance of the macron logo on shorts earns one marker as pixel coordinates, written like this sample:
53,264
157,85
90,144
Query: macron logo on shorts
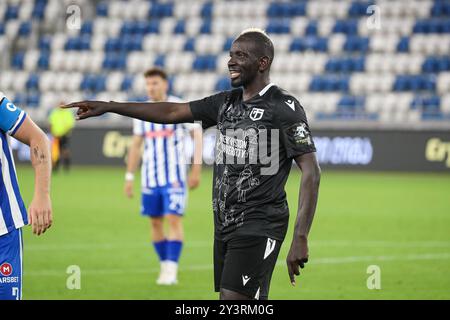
6,269
270,246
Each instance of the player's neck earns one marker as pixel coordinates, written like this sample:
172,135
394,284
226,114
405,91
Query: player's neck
254,88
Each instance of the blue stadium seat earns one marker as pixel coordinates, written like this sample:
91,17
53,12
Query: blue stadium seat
39,9
359,8
432,26
180,27
286,9
93,83
309,43
86,28
112,44
102,9
440,8
2,28
223,84
329,83
436,64
33,81
278,26
403,44
25,29
227,44
204,63
17,60
115,61
45,42
356,43
189,45
351,103
128,27
311,28
345,64
206,26
127,83
207,10
20,99
161,10
153,26
426,102
349,27
138,98
43,60
415,83
32,100
78,43
160,61
12,12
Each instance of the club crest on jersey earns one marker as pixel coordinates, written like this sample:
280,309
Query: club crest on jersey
256,114
6,269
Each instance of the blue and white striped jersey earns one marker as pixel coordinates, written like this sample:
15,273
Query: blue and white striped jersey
164,158
13,214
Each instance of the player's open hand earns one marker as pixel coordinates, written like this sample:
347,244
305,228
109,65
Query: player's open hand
88,109
128,189
193,180
40,214
297,257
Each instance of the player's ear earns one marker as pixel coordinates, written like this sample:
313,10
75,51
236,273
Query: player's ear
264,63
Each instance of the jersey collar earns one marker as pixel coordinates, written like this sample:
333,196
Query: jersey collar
265,89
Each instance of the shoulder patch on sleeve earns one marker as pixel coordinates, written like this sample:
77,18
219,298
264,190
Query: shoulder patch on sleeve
300,133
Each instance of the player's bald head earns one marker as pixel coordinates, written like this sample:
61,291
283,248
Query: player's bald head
261,43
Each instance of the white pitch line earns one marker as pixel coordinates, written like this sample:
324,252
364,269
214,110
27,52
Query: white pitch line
318,261
197,244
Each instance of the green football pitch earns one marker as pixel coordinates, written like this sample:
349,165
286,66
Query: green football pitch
399,222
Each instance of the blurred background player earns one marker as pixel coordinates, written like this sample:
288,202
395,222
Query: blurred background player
13,214
62,122
163,176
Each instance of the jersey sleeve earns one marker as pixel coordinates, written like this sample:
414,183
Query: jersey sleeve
138,127
295,133
11,117
207,110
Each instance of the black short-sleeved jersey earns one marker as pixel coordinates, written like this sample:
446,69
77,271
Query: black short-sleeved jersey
255,143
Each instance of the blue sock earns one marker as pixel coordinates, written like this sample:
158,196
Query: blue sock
161,249
174,250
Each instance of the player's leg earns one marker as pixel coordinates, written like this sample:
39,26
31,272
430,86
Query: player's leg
152,207
174,204
65,152
220,249
11,265
248,267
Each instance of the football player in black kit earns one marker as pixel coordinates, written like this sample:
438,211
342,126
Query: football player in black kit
249,202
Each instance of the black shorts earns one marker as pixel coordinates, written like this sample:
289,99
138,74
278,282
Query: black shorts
64,142
245,264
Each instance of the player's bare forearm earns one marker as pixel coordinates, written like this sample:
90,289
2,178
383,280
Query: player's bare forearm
196,167
159,112
41,161
308,196
198,146
134,154
134,157
40,209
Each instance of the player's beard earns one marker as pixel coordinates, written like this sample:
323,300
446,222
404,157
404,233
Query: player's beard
241,81
236,82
